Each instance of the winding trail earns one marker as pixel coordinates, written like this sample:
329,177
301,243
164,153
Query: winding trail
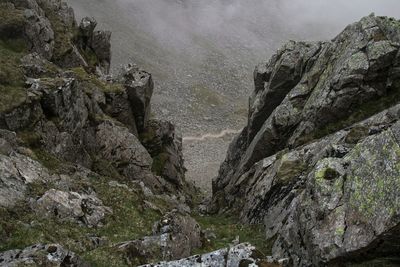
211,136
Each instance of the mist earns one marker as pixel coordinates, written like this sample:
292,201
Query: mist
252,26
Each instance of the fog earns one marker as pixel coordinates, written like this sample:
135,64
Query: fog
258,26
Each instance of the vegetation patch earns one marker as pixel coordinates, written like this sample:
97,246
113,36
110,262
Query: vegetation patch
12,89
227,229
91,81
12,21
159,163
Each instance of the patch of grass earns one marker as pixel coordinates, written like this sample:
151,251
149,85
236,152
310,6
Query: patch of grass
90,57
227,229
159,162
12,21
49,161
21,227
90,81
205,97
12,89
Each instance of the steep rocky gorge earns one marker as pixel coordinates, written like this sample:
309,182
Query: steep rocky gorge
89,178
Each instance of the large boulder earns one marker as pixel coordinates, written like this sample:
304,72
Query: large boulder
17,172
139,86
72,206
235,256
165,147
174,237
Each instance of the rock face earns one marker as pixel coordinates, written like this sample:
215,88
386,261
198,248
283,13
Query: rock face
236,256
165,146
317,163
41,255
139,85
73,148
72,206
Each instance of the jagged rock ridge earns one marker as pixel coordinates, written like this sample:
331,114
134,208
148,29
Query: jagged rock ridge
87,177
317,163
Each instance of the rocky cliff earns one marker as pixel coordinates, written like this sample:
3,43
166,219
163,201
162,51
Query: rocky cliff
88,176
82,163
318,162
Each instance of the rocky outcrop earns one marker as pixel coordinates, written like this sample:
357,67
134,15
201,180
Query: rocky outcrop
319,153
72,206
236,256
97,43
175,236
74,166
41,255
165,146
139,87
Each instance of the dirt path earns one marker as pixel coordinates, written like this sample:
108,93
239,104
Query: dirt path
221,134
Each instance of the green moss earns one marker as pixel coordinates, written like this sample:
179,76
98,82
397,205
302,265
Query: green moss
339,231
49,161
91,82
90,57
12,89
326,174
227,229
159,162
148,135
12,21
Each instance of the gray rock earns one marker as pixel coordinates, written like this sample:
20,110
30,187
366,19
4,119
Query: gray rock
41,255
165,146
313,176
39,32
124,151
16,173
118,106
236,256
101,45
35,66
86,27
98,42
139,85
175,236
72,206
